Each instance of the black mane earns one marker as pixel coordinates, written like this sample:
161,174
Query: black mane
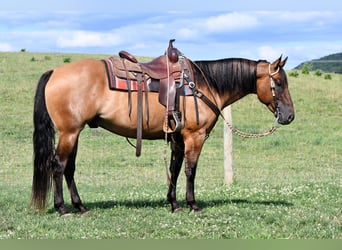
233,74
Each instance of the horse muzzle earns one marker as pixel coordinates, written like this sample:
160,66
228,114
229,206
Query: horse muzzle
284,118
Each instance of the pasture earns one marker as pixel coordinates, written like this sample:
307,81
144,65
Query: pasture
287,185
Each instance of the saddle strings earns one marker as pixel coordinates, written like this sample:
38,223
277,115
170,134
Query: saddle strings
168,179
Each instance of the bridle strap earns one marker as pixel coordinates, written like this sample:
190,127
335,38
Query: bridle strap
272,83
273,86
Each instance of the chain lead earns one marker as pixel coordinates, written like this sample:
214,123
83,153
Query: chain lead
250,135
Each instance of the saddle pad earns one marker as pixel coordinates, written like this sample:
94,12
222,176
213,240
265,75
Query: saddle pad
122,84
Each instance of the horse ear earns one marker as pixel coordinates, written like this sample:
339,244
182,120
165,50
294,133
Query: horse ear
277,62
282,63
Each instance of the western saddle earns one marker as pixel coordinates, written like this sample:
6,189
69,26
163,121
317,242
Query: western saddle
166,74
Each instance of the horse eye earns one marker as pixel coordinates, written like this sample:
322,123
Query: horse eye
278,83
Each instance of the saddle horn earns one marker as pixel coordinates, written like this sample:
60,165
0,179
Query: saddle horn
172,53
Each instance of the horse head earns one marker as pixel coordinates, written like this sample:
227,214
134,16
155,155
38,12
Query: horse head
272,90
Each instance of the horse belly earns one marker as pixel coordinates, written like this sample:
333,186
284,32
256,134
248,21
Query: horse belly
115,116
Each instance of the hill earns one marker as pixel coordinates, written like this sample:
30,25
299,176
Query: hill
330,63
286,186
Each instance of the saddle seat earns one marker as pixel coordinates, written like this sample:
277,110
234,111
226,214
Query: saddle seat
126,67
159,67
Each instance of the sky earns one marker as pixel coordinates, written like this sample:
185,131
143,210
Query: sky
204,30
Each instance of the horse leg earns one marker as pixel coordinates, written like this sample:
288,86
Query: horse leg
190,172
177,156
193,147
69,177
65,148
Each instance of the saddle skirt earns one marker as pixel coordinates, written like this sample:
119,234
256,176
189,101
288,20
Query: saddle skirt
122,75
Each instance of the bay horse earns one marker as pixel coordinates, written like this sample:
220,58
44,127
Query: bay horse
74,95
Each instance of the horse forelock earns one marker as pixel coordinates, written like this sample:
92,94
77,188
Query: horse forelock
227,75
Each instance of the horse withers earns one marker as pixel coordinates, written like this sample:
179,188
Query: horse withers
76,94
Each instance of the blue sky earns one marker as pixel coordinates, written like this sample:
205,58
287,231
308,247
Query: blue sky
302,30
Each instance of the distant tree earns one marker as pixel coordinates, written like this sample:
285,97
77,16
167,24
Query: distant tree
294,73
327,77
318,73
67,60
306,68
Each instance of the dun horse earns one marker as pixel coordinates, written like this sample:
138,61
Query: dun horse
76,94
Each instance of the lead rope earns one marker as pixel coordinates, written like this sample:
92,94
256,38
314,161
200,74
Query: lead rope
250,135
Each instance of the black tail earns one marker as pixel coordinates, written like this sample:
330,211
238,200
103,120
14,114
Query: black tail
43,146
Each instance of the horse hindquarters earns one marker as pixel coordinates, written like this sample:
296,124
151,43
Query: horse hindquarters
51,165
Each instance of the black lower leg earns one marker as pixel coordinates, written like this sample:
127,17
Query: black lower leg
190,173
177,156
58,188
69,177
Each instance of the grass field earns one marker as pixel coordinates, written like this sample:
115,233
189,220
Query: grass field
287,185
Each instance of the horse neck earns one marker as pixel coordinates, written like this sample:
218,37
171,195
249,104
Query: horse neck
230,79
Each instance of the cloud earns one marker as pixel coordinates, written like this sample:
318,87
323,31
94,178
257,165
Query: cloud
188,33
305,16
80,38
230,22
6,47
269,52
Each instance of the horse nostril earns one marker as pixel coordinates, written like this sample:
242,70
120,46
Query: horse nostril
290,118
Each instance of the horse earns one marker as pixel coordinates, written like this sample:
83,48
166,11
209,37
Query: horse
73,95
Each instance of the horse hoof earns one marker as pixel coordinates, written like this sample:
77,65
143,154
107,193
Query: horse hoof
66,215
196,211
83,210
63,211
84,213
177,210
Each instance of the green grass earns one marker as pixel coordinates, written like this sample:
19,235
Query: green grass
287,185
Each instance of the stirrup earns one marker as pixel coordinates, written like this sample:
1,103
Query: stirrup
176,116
